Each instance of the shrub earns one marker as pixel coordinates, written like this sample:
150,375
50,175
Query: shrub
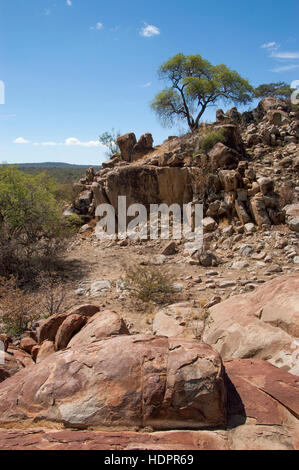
18,308
74,221
148,284
210,138
109,140
31,225
54,296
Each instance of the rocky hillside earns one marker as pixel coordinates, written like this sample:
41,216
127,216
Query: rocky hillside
216,366
248,176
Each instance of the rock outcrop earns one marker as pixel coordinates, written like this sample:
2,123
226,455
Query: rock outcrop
223,178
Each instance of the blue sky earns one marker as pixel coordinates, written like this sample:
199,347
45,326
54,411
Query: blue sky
76,68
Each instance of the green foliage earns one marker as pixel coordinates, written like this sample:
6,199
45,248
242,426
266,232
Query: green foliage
108,139
196,84
148,284
74,221
28,208
279,90
207,140
30,218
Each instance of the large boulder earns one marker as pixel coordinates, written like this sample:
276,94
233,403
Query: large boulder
222,156
144,144
150,185
126,145
123,381
263,324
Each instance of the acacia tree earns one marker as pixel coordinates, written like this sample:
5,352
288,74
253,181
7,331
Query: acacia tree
278,90
196,84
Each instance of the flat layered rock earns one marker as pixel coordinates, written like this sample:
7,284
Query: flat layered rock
47,439
258,390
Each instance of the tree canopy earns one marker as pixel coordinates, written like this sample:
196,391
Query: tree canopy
196,84
279,90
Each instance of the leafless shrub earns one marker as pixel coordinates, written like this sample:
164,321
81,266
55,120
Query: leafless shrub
18,308
54,296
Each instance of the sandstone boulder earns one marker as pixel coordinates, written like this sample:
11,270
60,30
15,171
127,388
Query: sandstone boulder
126,144
262,324
123,381
222,156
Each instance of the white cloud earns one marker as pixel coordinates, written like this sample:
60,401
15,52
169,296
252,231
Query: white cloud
74,142
146,85
285,68
98,26
270,45
69,3
69,142
149,31
285,55
21,140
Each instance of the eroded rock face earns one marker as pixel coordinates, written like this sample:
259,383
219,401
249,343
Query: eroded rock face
123,381
262,324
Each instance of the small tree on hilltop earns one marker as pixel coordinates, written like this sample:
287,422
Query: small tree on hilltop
196,84
109,140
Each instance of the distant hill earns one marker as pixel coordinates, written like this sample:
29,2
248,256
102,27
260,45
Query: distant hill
62,172
53,165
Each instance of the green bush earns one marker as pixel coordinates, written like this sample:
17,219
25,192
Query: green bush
30,219
207,140
74,221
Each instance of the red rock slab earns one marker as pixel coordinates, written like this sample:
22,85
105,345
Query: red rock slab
43,439
259,390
